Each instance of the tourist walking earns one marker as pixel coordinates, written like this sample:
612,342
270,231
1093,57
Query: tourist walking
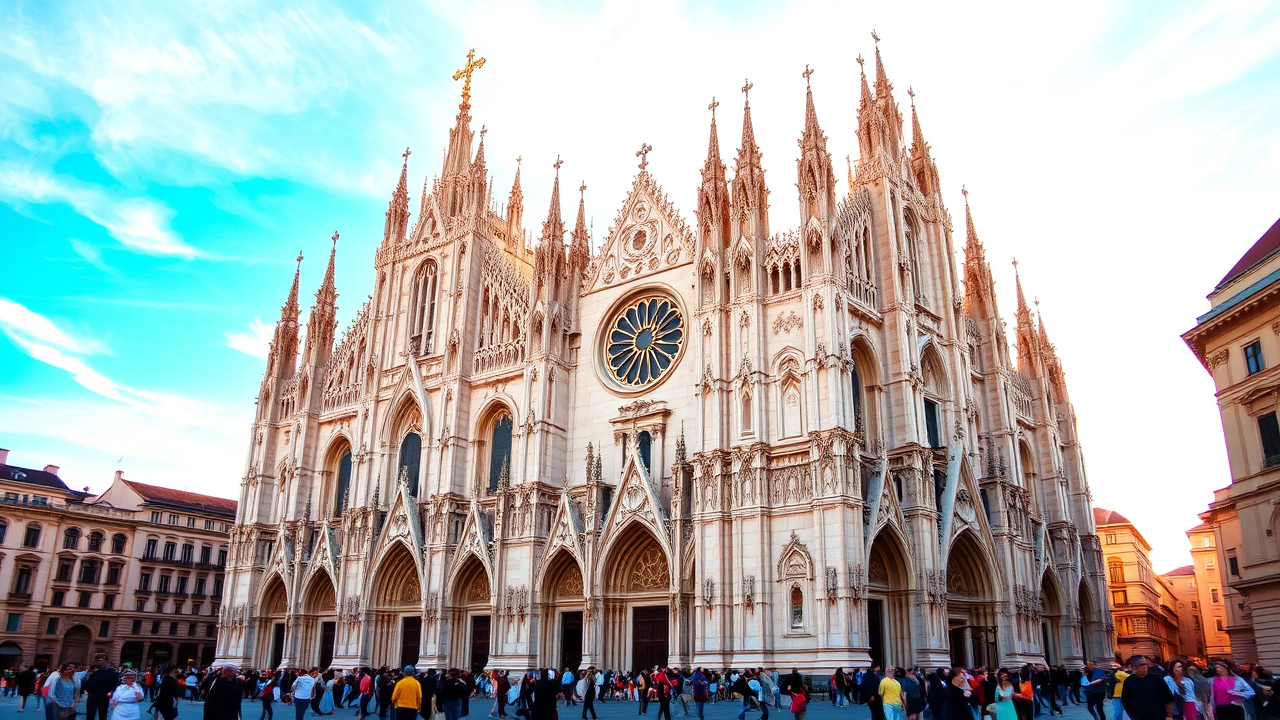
64,693
167,694
799,702
267,695
890,692
302,690
1183,689
1095,690
97,688
407,695
223,695
1147,697
1005,709
589,695
126,697
1229,693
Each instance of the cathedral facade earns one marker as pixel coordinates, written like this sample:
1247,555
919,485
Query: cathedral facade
705,442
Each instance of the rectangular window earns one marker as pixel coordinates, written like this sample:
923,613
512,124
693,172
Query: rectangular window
113,575
197,608
217,588
1253,357
85,600
155,627
210,630
208,524
159,605
1233,566
59,598
170,550
108,602
52,627
64,571
204,554
13,622
173,628
1269,431
164,584
32,537
192,629
173,519
157,516
200,586
188,552
1218,624
22,583
144,581
222,557
191,522
152,545
141,604
1195,605
931,423
1213,595
137,627
182,585
104,628
89,572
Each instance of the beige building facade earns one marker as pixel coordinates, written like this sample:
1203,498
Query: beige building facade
1142,604
1181,583
1238,342
133,575
704,441
1211,600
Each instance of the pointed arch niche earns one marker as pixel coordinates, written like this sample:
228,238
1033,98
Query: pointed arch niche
561,618
396,609
470,612
272,609
972,606
318,621
493,448
888,603
635,585
407,424
338,468
864,391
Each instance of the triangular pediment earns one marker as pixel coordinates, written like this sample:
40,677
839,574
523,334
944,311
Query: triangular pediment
637,500
476,539
648,235
402,523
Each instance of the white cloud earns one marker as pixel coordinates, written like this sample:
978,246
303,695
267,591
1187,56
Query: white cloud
256,341
138,223
17,321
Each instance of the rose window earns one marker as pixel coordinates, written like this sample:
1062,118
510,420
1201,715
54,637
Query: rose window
644,341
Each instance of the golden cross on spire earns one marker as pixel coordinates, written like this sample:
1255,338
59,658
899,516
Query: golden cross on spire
712,107
335,238
746,90
518,159
807,72
472,65
643,154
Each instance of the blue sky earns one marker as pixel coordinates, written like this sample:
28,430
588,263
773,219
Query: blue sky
161,165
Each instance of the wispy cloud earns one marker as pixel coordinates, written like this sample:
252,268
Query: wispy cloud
140,224
92,254
256,341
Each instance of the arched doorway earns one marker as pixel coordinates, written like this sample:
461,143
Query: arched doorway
272,609
131,653
636,587
397,609
470,613
888,601
561,616
1051,620
75,646
972,610
10,655
159,654
319,624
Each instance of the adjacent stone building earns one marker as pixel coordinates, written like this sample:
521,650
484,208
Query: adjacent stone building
1210,602
133,575
703,441
1142,605
1238,342
1181,583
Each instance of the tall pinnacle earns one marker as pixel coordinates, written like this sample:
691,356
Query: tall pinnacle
290,309
327,293
972,245
882,78
1023,310
398,208
553,228
580,250
748,132
811,129
918,145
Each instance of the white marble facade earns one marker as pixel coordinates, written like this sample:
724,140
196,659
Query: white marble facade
704,443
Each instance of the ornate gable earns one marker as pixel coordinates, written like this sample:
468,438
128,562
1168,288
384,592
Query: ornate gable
637,500
402,524
648,235
476,539
566,529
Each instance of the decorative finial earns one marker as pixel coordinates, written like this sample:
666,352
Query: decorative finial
483,129
746,90
518,159
407,152
807,72
964,190
861,62
643,154
582,189
874,37
335,238
1036,302
299,258
912,93
712,107
1015,266
472,65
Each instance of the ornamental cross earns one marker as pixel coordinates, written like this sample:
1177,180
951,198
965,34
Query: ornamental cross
299,257
807,72
335,238
911,91
557,165
861,61
472,65
583,188
746,89
407,152
874,37
712,107
643,154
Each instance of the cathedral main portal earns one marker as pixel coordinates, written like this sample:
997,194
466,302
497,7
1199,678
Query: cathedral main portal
649,637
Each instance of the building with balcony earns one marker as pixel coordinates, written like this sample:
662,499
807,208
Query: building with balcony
1238,342
133,575
1142,605
1211,603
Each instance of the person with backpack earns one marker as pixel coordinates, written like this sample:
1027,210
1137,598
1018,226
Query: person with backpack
912,694
1094,680
268,694
701,691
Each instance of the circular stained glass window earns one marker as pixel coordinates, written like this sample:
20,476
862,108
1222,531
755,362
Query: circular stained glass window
644,340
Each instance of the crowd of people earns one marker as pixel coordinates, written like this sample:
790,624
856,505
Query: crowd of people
1137,689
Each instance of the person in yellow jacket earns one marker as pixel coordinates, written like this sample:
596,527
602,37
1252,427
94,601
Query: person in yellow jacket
406,698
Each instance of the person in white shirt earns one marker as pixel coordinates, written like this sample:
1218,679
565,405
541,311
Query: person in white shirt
125,699
302,690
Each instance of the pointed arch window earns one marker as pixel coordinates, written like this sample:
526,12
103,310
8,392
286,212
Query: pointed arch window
644,444
791,415
411,460
500,450
797,608
746,414
343,486
422,322
855,388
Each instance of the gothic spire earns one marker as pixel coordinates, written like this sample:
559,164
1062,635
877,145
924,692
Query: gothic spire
1023,310
290,309
580,251
284,341
398,208
979,288
883,86
811,129
515,204
713,194
323,320
815,177
972,245
750,196
553,228
918,145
